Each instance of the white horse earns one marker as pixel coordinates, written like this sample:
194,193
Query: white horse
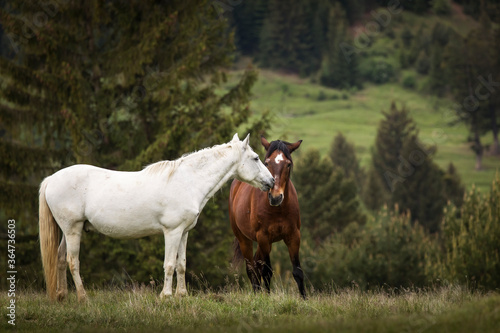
166,197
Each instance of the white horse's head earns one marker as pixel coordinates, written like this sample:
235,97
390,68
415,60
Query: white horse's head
250,168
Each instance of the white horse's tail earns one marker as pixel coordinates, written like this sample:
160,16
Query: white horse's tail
49,237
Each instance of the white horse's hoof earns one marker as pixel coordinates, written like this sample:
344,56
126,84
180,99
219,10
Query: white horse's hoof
181,293
165,295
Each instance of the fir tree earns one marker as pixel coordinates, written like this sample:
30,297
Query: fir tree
343,156
393,131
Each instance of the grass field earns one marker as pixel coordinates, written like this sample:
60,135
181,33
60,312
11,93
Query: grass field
450,309
315,114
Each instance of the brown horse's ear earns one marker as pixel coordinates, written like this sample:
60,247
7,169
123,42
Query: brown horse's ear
264,142
294,146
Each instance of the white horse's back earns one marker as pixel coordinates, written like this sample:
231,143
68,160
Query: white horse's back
117,204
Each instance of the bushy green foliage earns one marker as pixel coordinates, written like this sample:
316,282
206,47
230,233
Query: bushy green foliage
470,237
389,251
409,81
377,70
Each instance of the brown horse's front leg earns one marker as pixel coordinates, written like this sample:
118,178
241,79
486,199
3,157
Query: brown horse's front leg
246,247
263,262
293,245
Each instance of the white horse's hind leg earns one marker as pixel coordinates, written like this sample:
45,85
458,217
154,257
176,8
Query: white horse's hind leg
172,240
73,247
62,265
181,266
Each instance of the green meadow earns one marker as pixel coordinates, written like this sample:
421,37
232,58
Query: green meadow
305,110
449,309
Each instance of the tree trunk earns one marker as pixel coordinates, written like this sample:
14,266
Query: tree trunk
479,162
478,149
495,148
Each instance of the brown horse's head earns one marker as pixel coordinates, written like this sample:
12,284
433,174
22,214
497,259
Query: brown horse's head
279,162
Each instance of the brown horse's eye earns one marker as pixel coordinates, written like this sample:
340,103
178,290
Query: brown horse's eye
266,164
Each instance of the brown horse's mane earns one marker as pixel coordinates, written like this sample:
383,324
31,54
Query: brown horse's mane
282,146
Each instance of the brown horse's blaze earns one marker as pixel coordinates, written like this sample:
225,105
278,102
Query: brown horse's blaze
280,168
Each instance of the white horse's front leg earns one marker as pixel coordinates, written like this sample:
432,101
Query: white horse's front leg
172,240
181,266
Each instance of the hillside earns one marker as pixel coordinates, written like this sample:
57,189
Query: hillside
305,109
301,113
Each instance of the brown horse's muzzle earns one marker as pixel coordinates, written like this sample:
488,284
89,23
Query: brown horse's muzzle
275,201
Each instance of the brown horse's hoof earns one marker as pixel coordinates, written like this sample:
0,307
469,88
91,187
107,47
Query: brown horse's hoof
61,295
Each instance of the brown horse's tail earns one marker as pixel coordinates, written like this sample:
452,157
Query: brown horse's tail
49,236
237,255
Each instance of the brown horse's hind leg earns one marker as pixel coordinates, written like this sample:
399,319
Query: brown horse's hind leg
293,245
62,265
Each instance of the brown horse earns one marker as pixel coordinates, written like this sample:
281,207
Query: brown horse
267,218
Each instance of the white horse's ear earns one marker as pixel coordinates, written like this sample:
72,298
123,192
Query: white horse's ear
235,138
246,141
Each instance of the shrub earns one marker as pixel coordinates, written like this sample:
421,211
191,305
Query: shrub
389,251
377,70
470,238
409,81
321,96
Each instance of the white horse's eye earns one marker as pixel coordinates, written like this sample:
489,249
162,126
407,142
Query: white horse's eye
256,159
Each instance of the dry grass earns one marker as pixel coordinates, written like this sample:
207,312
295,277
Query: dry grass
453,309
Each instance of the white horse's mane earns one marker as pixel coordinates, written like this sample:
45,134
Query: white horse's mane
169,167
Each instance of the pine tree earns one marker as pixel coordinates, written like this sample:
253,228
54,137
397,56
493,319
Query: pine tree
343,155
393,131
119,86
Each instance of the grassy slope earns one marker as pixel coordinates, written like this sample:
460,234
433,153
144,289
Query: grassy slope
450,309
300,115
